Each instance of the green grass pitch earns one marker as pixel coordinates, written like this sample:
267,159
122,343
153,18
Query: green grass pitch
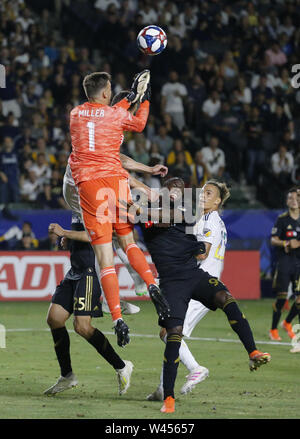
29,366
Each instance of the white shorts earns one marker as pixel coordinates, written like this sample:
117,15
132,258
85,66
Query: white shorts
195,312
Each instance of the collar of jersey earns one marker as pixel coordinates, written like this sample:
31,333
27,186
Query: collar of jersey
95,104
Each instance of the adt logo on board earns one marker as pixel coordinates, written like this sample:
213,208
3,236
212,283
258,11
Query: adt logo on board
296,79
2,76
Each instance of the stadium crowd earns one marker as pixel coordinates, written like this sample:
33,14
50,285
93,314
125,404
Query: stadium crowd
222,102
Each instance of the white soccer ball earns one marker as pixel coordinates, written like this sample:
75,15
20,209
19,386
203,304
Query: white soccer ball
152,40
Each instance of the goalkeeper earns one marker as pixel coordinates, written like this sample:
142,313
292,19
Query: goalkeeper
97,133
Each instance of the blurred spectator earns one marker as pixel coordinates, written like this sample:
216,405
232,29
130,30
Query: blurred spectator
275,56
41,147
262,87
102,5
155,154
212,105
173,93
25,19
199,170
177,27
181,169
163,141
140,153
255,154
29,186
62,162
214,158
41,169
15,233
282,163
277,122
189,141
243,92
296,168
52,195
9,173
25,243
178,147
50,243
228,67
172,130
287,27
148,14
10,127
196,96
208,69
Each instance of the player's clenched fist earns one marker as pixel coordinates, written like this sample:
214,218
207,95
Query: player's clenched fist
56,229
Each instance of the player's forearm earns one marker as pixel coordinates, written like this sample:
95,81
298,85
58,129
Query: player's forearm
276,242
138,122
76,235
203,256
131,165
124,103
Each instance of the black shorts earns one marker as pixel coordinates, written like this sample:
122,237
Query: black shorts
287,270
198,285
82,296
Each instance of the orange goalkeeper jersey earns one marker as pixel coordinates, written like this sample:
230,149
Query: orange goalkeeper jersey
97,134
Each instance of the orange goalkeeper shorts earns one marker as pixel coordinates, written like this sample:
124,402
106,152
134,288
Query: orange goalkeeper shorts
101,208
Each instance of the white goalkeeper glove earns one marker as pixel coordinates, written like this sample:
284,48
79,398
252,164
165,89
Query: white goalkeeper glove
139,86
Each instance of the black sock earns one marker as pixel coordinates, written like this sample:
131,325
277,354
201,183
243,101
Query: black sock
298,309
277,307
292,314
240,325
102,345
171,361
62,348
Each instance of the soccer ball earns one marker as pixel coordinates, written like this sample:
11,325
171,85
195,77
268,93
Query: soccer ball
152,40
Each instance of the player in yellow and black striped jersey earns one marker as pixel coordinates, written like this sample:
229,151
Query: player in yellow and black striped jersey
79,294
285,233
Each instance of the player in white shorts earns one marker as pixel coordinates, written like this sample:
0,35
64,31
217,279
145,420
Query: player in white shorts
211,230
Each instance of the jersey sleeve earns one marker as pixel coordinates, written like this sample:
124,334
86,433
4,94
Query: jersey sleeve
209,230
137,122
278,228
123,104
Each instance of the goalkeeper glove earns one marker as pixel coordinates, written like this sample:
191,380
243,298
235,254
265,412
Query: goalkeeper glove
139,86
147,94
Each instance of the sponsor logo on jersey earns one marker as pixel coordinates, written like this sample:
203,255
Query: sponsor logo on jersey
291,234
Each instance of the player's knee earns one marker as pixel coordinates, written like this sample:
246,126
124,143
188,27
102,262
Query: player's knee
54,322
222,298
83,328
162,334
176,330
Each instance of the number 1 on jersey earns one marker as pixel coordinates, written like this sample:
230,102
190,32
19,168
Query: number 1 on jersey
91,127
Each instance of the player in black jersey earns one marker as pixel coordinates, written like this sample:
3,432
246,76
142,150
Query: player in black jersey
284,237
174,253
79,294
